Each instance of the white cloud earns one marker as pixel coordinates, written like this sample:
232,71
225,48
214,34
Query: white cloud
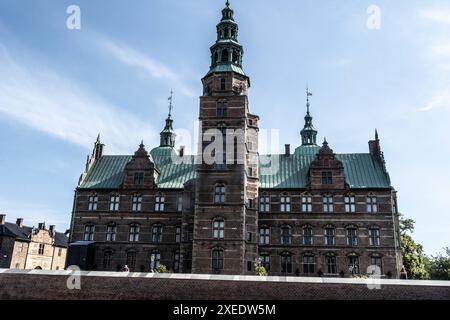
155,69
435,15
46,101
440,100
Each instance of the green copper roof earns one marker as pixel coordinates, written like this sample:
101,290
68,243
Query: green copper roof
361,170
220,68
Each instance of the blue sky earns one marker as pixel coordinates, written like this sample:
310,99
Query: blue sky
59,88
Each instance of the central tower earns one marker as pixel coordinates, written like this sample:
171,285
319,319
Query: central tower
225,222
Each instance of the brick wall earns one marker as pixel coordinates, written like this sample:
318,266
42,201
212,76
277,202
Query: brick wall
52,285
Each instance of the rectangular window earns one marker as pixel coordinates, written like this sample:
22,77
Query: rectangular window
107,259
286,235
155,260
111,231
377,261
114,202
20,247
89,233
285,204
180,202
139,178
222,84
222,109
157,234
41,249
92,203
217,260
352,237
137,203
327,177
134,233
264,236
307,236
308,264
307,204
265,261
176,262
219,197
286,264
330,236
350,204
219,229
374,237
264,204
131,260
330,261
328,206
372,206
178,234
59,252
353,264
159,203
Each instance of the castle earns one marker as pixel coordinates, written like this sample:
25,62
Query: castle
310,212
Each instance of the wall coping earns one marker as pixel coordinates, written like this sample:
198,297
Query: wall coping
179,276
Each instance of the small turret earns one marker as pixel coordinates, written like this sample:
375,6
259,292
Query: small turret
168,135
308,134
97,153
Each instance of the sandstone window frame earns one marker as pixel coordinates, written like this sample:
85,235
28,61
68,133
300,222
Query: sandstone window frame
111,232
328,203
353,263
350,203
351,233
136,202
180,202
157,233
265,260
371,203
264,203
309,263
331,263
220,190
138,178
286,234
330,235
178,234
286,262
41,249
131,259
285,203
218,226
107,257
217,259
177,261
264,235
89,232
327,177
307,203
374,236
307,235
376,259
155,259
134,232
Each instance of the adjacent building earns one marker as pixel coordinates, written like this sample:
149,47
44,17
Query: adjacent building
307,212
23,247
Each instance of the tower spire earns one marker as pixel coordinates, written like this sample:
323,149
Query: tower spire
308,134
168,135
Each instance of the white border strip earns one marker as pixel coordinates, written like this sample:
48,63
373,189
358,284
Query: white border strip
179,276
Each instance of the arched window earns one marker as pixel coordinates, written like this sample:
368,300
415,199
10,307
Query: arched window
157,233
286,235
89,231
216,57
159,202
133,235
308,262
235,56
219,194
352,235
285,203
330,235
306,203
155,259
374,236
217,259
219,228
330,263
225,55
137,202
93,202
264,203
222,108
350,203
372,206
307,235
353,263
114,202
227,32
107,257
111,231
286,262
376,261
265,260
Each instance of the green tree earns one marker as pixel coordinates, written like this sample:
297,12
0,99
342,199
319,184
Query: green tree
414,258
439,266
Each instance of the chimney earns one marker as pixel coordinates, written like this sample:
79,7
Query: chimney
182,151
287,148
2,219
41,226
374,145
19,222
52,230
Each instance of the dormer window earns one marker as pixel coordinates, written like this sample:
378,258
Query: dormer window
139,178
327,177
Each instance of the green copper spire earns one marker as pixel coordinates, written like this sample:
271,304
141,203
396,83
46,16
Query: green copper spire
226,53
167,135
309,134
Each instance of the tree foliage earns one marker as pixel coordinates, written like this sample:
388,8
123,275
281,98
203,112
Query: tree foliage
439,266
